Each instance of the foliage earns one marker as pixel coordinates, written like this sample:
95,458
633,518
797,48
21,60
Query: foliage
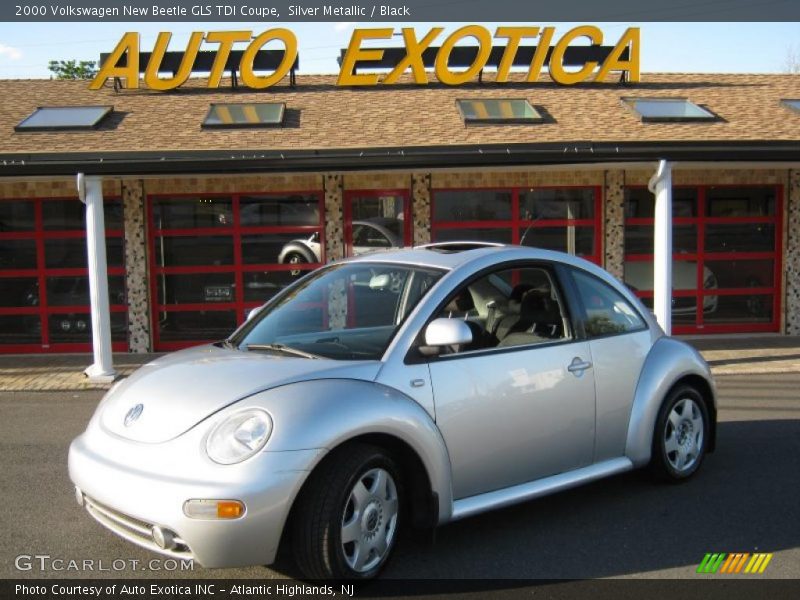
73,69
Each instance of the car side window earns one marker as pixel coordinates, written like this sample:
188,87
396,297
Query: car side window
369,237
510,307
607,312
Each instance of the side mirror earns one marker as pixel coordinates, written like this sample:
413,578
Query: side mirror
445,332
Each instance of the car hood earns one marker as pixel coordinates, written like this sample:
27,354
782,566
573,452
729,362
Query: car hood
179,390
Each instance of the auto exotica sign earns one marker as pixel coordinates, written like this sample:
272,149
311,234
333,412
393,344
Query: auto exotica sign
123,62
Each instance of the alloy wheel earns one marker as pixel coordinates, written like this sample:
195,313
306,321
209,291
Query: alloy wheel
369,522
683,435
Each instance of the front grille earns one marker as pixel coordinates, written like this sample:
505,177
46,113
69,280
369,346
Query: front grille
134,530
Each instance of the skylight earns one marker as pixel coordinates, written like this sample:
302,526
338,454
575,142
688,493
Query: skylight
505,110
793,104
654,110
252,114
54,118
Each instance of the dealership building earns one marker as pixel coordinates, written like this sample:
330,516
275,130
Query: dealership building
215,199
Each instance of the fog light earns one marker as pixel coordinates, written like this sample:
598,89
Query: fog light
213,509
79,496
163,538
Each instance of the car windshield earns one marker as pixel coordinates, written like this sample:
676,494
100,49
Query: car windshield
349,311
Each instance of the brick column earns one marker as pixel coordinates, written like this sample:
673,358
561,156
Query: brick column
333,185
136,267
614,223
421,208
792,255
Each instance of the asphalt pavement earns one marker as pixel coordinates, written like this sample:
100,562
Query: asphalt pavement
745,499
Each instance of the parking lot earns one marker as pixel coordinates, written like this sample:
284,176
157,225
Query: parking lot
744,500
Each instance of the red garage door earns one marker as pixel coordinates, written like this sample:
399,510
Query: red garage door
44,304
726,256
215,257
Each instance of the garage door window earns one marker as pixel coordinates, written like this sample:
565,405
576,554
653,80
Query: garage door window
215,257
566,219
44,275
726,256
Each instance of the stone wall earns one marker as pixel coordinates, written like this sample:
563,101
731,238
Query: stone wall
136,271
334,218
421,208
614,223
792,255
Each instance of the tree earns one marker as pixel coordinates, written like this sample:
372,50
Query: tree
73,69
792,61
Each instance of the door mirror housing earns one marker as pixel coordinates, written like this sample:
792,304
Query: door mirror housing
445,332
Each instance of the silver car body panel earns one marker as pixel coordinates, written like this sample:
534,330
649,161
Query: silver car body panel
509,417
146,471
346,409
180,389
668,362
151,482
618,361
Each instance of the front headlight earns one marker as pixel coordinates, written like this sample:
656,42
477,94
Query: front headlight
239,437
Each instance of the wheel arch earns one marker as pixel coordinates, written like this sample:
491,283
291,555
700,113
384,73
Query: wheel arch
347,411
296,247
423,501
670,363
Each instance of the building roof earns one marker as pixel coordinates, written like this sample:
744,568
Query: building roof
323,117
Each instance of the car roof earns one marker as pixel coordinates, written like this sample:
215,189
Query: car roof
452,255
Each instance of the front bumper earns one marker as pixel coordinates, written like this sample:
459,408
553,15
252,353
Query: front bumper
130,487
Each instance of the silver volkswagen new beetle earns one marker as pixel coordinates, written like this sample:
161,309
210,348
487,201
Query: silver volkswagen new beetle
405,389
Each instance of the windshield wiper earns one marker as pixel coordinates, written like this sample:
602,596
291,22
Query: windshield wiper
281,348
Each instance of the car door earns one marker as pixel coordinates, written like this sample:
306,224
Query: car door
620,341
367,238
521,407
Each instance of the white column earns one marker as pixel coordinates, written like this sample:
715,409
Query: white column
90,191
661,186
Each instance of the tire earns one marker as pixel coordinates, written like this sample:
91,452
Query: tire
295,258
681,435
356,493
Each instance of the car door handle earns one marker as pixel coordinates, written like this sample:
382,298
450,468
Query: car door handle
578,366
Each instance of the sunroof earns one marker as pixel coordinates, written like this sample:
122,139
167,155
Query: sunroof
501,110
252,114
668,109
793,104
51,118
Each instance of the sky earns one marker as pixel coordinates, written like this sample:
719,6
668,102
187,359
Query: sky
26,49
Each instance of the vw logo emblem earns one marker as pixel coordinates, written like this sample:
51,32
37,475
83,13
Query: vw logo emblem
133,414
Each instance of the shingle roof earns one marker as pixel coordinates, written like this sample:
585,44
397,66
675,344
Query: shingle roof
323,116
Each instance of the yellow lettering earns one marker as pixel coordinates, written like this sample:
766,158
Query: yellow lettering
443,72
413,57
355,53
129,44
514,35
225,39
249,78
542,48
557,71
187,61
613,62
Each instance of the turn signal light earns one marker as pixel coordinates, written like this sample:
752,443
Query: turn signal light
213,509
229,509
